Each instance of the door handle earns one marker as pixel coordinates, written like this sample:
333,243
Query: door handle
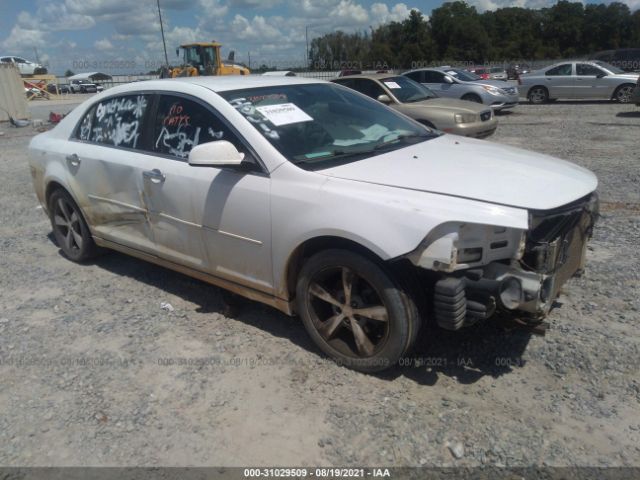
73,160
155,175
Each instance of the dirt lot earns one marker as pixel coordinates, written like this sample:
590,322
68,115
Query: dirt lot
94,372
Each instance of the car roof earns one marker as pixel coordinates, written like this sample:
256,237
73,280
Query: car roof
371,76
238,82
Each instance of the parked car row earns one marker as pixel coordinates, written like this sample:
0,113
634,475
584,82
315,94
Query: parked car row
75,86
320,201
456,83
418,102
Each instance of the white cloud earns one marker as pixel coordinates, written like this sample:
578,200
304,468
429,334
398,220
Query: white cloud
103,44
213,8
381,13
264,4
257,29
21,39
348,13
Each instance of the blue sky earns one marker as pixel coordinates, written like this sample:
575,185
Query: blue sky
118,36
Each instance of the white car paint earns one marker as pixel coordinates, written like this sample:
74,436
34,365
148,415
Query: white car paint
243,229
469,168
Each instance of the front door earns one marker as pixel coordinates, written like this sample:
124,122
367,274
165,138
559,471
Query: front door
435,80
590,82
212,219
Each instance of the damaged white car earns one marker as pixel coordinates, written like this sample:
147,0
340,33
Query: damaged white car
318,201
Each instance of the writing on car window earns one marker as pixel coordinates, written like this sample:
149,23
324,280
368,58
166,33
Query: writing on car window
182,124
118,121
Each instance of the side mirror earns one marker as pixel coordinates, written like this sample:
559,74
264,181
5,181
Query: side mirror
215,154
384,98
448,79
601,75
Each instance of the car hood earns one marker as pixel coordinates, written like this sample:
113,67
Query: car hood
451,104
475,169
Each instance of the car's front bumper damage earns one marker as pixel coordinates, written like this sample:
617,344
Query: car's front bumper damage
555,250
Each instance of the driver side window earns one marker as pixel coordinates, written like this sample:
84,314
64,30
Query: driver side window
369,88
586,69
434,77
181,124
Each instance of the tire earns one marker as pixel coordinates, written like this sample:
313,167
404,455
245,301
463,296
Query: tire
624,93
366,344
538,95
471,97
70,228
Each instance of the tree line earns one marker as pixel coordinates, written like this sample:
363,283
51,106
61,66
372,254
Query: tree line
456,32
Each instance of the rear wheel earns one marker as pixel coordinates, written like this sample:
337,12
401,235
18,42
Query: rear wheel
354,311
69,227
624,93
538,95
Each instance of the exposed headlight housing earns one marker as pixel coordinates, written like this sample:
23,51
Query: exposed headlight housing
466,117
458,246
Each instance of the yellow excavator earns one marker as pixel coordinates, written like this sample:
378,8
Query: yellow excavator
203,59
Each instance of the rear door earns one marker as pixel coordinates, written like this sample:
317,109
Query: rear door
106,162
560,81
208,218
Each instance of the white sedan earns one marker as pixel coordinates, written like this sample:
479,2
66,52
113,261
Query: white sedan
318,201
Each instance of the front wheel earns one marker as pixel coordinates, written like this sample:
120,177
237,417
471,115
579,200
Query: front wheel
624,93
69,228
354,311
472,97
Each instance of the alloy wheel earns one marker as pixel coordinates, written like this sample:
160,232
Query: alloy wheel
623,95
66,220
347,312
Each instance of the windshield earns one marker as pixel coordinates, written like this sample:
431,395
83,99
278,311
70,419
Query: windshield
407,90
319,126
609,67
462,75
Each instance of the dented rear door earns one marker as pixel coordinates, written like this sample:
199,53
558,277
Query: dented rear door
107,164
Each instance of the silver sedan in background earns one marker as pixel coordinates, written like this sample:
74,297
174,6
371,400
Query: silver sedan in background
588,80
457,83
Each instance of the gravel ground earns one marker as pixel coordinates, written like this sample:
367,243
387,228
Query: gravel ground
94,372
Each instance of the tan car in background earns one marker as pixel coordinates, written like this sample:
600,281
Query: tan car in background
422,104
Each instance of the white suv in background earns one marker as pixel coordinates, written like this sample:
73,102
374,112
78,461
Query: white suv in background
25,66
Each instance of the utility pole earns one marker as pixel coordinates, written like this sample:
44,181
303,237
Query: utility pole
249,53
164,44
306,37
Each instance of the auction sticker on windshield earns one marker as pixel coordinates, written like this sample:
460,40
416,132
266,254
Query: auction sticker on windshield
284,114
392,85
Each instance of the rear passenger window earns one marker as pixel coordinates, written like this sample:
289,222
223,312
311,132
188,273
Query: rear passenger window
182,124
559,70
118,121
83,131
